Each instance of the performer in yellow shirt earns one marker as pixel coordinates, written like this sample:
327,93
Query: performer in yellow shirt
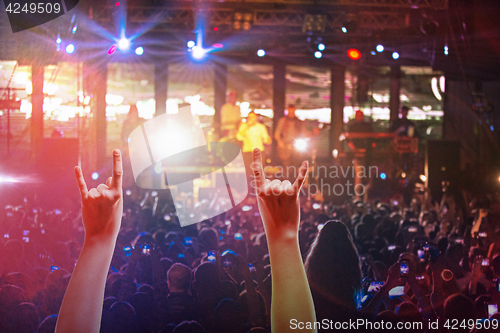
254,135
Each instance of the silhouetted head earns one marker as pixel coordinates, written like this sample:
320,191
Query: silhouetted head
179,278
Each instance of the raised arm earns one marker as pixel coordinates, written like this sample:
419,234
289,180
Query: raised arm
279,208
102,209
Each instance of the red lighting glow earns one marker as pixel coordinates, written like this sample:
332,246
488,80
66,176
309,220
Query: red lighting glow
112,49
218,45
216,28
117,4
353,54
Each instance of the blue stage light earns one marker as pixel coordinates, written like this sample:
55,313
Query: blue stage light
383,175
318,54
395,55
123,44
321,47
70,48
139,50
261,53
95,175
190,44
380,48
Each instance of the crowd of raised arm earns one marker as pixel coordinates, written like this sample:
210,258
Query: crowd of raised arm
130,267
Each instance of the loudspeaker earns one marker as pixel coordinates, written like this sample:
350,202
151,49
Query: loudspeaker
443,166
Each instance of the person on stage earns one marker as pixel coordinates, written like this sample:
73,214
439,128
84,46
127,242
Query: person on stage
230,116
289,129
253,135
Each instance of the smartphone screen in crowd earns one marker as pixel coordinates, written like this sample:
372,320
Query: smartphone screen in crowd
238,236
211,256
375,286
404,267
128,251
188,241
397,291
492,309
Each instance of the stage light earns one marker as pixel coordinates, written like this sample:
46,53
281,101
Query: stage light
123,44
70,48
246,208
139,50
373,53
74,29
446,50
318,54
395,55
117,4
353,54
300,144
216,28
423,178
58,43
190,44
128,192
335,153
95,175
112,49
380,48
198,52
383,175
7,179
218,45
492,128
403,175
261,53
321,47
344,30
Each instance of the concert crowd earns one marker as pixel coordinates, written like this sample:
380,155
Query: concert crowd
382,260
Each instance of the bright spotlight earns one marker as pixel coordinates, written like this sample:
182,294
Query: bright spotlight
395,55
190,44
423,178
70,48
321,47
383,175
335,153
344,30
74,28
403,175
261,53
7,179
373,53
139,50
198,52
95,175
123,44
380,48
300,144
318,54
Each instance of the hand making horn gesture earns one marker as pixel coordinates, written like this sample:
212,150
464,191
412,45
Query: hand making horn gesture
278,200
102,207
280,210
102,210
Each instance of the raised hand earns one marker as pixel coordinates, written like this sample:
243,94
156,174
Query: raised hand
280,211
102,207
102,210
278,201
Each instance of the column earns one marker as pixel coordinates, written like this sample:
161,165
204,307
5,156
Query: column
37,73
279,98
337,99
394,87
220,87
95,76
161,87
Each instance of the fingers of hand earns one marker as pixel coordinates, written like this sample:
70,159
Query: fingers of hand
117,170
81,182
274,187
287,187
109,181
302,176
258,171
